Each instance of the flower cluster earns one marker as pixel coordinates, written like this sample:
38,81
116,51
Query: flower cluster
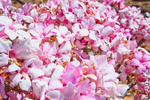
73,50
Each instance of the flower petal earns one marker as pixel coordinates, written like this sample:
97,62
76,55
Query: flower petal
5,46
13,67
55,84
3,59
12,35
134,62
53,95
35,73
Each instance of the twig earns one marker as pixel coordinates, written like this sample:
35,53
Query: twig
141,42
130,86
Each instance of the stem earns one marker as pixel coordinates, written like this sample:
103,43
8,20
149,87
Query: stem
141,42
130,86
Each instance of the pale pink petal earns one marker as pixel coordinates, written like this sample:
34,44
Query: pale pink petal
107,30
14,95
146,57
123,77
142,68
5,46
147,73
34,62
34,33
66,57
91,76
78,44
25,83
92,35
147,64
24,34
53,95
72,74
35,73
122,88
13,67
122,49
48,28
39,27
55,84
48,69
134,62
65,47
110,76
39,88
19,26
5,21
84,86
57,72
63,30
60,39
34,13
2,87
3,59
15,79
138,55
42,17
84,32
69,91
112,62
88,97
28,19
12,35
115,42
133,45
25,48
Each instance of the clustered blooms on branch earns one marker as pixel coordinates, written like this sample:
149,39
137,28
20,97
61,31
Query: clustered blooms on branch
73,50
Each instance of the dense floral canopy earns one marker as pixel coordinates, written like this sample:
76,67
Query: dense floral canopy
73,50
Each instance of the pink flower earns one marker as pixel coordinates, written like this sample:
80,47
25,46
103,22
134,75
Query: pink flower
71,74
41,31
140,60
25,48
125,71
22,78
